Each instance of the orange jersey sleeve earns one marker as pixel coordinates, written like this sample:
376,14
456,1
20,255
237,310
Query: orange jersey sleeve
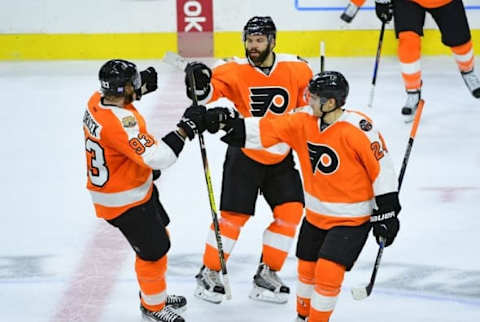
343,167
259,95
120,156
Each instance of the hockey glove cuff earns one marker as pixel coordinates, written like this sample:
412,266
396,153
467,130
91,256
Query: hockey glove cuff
193,121
202,76
149,81
350,12
217,116
384,219
384,10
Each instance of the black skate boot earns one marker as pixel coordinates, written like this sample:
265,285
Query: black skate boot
408,111
176,302
268,287
472,82
167,314
209,286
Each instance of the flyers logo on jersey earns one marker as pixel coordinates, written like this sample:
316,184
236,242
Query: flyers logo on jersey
262,99
323,158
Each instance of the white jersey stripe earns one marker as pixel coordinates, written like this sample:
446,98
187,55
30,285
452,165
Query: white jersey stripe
338,209
123,198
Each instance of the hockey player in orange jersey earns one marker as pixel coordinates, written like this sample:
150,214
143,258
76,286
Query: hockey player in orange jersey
263,84
123,159
409,18
348,179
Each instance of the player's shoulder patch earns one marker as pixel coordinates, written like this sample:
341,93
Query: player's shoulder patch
365,125
129,121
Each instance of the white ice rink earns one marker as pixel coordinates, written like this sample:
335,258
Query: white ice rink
58,262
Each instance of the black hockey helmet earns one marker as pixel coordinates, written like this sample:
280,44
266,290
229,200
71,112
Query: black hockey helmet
330,84
260,26
115,74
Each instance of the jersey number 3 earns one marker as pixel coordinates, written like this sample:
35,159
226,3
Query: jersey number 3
97,169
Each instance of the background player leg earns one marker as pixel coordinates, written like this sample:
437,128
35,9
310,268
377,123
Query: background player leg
409,46
277,241
465,59
209,285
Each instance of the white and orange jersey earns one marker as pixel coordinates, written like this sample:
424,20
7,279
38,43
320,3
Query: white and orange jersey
343,167
121,155
256,94
423,3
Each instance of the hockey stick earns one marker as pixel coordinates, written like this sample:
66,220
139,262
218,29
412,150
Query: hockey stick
322,56
360,293
180,62
377,62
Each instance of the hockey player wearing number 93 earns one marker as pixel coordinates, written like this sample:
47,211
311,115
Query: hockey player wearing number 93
123,159
349,183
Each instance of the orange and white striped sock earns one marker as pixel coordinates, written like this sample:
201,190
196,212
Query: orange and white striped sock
305,285
328,281
464,56
151,278
230,224
279,236
409,51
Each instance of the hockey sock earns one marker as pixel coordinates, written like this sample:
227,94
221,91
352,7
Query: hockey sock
464,56
328,281
409,47
230,225
151,278
279,236
305,284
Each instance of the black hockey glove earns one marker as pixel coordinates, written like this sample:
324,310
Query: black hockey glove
193,121
202,75
384,10
349,13
148,78
384,219
218,115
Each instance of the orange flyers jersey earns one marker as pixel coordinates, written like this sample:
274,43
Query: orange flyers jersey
120,157
423,3
343,167
256,94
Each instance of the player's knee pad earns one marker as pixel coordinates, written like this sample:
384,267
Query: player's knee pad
409,46
290,212
306,271
234,220
328,277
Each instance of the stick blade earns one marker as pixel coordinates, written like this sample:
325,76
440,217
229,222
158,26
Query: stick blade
359,293
175,60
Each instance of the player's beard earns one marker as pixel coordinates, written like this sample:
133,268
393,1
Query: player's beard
262,55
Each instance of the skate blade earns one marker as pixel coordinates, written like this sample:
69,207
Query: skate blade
208,296
264,295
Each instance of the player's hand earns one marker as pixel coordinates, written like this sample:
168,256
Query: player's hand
349,13
217,116
193,121
384,219
149,81
202,76
384,10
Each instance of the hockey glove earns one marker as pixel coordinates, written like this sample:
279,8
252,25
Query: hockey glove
217,116
202,75
349,13
193,121
148,79
384,10
384,219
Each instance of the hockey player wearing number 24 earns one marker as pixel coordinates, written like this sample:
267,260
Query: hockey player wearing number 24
123,159
266,85
409,18
348,179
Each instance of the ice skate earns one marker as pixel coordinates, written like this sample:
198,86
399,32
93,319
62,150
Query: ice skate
176,302
300,318
268,287
167,314
209,286
410,107
473,83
